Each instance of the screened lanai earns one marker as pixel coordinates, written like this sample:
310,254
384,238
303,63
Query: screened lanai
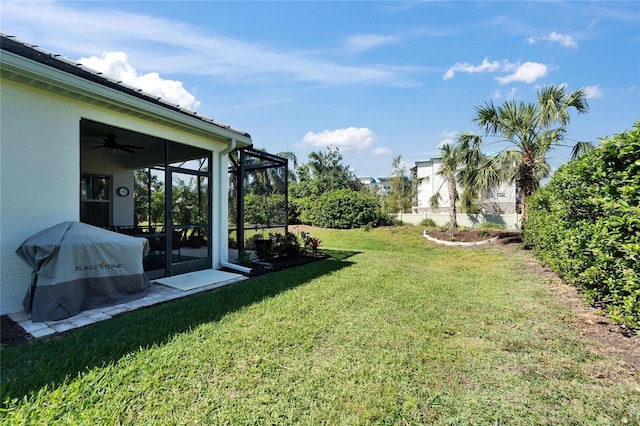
258,200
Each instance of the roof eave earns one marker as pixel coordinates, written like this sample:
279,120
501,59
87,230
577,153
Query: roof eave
26,71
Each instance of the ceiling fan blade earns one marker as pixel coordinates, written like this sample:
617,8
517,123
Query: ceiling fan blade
130,146
123,148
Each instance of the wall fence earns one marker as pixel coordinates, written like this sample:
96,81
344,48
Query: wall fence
511,221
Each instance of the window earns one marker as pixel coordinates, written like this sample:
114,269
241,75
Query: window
95,200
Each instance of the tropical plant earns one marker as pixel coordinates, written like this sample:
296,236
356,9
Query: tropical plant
310,242
450,171
529,131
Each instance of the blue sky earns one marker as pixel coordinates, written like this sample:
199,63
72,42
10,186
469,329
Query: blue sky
375,79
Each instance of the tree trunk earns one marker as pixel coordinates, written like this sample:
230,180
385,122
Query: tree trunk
453,195
526,183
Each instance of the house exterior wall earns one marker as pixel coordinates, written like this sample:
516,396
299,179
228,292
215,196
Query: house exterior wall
40,172
430,183
500,200
39,164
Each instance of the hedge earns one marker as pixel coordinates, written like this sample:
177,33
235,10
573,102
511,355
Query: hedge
343,209
585,224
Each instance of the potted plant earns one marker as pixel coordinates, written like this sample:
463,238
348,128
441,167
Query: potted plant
264,247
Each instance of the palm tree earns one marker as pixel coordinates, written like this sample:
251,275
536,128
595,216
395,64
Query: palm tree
450,171
530,131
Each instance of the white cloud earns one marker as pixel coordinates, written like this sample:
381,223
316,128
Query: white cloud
562,40
351,139
511,94
185,48
593,92
527,72
115,66
485,66
364,42
448,138
556,38
381,150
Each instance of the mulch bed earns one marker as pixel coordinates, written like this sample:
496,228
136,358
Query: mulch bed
11,334
278,264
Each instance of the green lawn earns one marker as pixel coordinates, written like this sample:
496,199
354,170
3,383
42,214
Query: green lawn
392,330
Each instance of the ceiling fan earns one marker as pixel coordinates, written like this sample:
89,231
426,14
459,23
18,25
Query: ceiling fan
110,143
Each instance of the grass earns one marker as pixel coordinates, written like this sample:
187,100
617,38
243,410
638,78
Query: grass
391,330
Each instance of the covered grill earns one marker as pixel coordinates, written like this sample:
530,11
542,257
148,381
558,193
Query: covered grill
78,267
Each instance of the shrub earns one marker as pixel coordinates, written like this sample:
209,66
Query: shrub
585,224
444,228
388,220
343,209
264,209
492,225
428,223
286,245
244,258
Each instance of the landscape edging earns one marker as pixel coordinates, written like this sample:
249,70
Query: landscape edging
459,243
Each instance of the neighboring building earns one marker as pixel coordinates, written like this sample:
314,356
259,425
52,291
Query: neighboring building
73,147
377,186
501,200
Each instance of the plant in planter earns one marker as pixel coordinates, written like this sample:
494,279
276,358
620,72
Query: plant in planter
264,247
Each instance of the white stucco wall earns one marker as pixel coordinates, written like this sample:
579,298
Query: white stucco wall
39,164
498,200
40,172
430,184
510,221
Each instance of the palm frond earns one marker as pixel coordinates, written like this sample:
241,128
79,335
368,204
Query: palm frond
578,100
468,141
581,148
487,118
434,200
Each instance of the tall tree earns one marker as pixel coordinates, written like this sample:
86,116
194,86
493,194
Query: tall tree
450,168
399,198
322,173
530,131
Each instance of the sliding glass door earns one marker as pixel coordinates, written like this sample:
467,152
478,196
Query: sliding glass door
172,210
189,226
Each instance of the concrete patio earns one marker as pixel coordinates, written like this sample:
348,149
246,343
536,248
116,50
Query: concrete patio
162,290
